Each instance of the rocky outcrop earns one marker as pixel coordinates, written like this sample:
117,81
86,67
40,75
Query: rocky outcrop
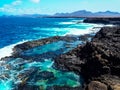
95,85
97,60
31,44
103,53
28,64
64,88
115,21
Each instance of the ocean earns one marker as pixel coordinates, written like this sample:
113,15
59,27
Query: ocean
16,30
13,30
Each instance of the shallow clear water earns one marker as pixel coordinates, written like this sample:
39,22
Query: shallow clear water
39,71
52,47
18,71
56,48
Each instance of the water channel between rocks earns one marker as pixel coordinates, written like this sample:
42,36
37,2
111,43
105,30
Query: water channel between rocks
37,68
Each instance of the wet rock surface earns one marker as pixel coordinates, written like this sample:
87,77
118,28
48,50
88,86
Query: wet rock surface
64,88
32,44
95,85
115,21
103,53
96,59
31,66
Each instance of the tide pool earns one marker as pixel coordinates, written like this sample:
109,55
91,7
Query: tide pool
35,67
35,74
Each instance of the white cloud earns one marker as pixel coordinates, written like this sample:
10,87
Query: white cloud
28,11
9,8
35,1
13,8
18,2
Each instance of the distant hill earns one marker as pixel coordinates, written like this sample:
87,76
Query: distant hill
80,13
84,13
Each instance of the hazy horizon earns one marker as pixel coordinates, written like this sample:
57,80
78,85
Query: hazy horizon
19,7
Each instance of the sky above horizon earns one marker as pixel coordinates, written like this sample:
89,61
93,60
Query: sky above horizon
16,7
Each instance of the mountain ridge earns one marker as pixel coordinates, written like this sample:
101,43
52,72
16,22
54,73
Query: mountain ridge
85,13
79,13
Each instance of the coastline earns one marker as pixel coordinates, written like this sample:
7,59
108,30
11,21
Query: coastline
78,64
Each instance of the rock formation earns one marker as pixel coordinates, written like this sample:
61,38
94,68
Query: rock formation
115,21
97,60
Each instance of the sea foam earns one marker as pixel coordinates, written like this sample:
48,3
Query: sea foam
7,50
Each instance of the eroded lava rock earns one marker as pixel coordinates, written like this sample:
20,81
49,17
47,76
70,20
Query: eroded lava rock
96,59
115,21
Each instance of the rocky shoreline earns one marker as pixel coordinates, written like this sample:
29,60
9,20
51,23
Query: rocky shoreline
98,60
31,54
102,20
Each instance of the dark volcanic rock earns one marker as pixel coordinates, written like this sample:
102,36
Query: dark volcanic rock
115,21
112,81
70,61
31,44
21,49
44,75
27,87
103,53
97,61
97,58
95,85
64,88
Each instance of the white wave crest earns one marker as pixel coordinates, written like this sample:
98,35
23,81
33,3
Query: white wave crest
7,50
65,23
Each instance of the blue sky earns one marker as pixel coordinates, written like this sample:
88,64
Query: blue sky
53,6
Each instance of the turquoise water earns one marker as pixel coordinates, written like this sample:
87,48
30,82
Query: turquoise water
28,72
40,71
57,48
44,49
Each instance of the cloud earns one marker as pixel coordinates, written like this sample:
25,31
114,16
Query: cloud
15,8
29,11
35,1
9,8
18,2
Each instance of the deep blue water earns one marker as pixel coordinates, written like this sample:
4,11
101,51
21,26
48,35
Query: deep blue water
31,71
16,29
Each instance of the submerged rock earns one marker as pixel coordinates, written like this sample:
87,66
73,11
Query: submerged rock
97,61
37,43
31,65
44,75
64,88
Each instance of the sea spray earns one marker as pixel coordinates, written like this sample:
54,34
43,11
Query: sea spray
7,50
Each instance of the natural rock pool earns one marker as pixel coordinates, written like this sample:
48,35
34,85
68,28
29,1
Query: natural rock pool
34,68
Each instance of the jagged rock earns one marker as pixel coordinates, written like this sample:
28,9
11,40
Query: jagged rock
96,85
116,87
27,87
64,88
32,44
100,57
115,21
98,60
44,75
102,54
111,81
